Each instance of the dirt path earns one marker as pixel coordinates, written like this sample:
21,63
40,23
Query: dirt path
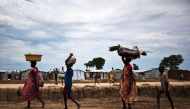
91,84
107,103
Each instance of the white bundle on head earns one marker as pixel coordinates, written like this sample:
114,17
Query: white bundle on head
72,60
130,52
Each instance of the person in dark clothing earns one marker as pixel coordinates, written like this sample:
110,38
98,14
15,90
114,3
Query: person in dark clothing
68,83
96,78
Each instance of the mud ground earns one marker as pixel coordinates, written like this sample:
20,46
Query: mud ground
144,102
106,103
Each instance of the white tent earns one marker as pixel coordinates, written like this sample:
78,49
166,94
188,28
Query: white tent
103,73
78,74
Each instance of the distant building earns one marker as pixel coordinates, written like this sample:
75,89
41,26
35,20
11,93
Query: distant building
3,75
176,74
156,73
78,75
143,73
118,73
104,74
153,73
52,75
24,74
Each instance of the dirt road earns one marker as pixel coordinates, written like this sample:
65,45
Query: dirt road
143,102
107,103
91,84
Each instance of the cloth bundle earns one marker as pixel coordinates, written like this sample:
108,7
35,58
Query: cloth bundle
130,52
72,60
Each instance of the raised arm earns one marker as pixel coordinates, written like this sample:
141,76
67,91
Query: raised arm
71,54
123,59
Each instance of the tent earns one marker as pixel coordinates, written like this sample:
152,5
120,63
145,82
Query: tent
78,74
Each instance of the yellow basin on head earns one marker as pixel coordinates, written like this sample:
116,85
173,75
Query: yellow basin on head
33,57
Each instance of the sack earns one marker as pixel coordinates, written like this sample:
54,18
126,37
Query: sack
72,60
133,52
41,84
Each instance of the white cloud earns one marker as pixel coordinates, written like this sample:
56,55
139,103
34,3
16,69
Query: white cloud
88,28
39,34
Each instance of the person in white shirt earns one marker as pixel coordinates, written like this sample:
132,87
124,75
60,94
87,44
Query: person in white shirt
164,87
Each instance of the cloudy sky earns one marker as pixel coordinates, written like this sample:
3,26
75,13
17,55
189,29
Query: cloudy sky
88,28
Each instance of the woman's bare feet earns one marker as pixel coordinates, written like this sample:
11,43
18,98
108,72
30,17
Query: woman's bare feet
78,106
43,104
124,108
27,107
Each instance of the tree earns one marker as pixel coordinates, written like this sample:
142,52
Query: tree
98,62
86,64
173,61
91,64
135,67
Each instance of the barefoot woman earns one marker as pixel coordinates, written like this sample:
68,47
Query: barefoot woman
128,88
31,88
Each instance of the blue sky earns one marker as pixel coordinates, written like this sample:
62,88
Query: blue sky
87,28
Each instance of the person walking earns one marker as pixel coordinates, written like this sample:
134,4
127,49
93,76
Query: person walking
164,87
181,77
113,75
127,87
188,77
68,83
30,90
96,79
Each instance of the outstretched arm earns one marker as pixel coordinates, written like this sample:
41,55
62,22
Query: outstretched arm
71,54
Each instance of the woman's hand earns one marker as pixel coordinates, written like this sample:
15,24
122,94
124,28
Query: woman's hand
71,54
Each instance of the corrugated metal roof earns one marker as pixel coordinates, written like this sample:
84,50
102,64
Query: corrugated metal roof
3,70
138,71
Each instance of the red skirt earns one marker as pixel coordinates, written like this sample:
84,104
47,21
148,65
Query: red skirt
29,91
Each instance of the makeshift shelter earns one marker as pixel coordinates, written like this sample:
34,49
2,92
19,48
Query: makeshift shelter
118,73
142,73
156,73
78,74
52,75
24,74
3,75
103,74
175,74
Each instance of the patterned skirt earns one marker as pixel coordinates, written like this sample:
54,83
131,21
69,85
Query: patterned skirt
29,91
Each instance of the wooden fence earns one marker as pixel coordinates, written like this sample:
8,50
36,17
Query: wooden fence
175,74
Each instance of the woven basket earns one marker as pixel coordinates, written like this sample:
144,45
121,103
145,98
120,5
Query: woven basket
33,57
